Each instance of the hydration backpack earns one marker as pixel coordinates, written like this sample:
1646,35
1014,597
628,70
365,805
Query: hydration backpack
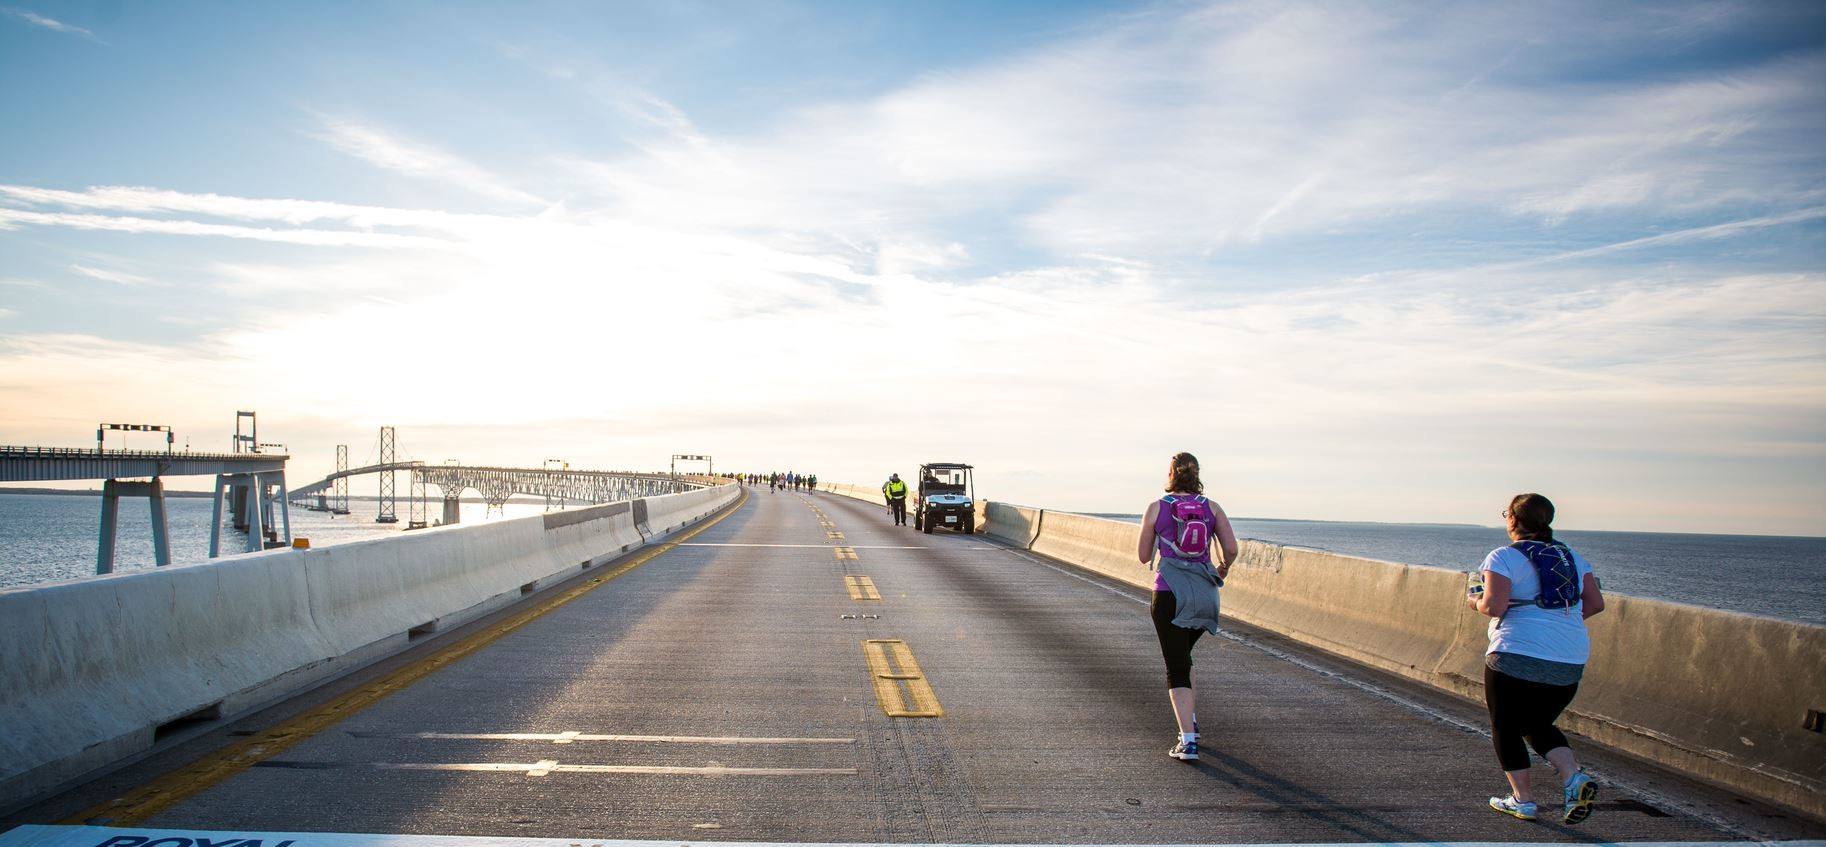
1559,575
1191,539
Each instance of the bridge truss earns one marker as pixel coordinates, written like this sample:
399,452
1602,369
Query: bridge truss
497,484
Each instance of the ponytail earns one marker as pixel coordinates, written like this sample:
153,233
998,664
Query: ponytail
1182,474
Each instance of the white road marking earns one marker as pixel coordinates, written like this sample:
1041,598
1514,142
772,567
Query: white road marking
804,546
38,835
573,736
1652,798
549,766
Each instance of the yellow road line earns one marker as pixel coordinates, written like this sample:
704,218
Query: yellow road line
900,686
843,553
861,588
832,535
171,788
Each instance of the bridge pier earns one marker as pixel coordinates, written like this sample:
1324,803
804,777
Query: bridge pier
111,492
250,494
453,511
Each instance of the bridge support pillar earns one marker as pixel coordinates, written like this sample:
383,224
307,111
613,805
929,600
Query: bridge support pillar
453,510
111,492
251,492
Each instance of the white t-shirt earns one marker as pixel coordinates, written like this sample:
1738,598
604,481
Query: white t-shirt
1557,635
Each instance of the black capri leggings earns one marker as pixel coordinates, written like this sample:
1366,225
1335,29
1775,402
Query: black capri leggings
1520,710
1175,641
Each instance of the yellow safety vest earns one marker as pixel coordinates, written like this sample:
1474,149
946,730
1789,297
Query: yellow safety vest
896,489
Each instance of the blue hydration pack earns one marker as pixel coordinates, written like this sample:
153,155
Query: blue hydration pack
1559,574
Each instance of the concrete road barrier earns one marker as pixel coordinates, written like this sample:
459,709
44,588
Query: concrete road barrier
1720,695
94,671
1019,525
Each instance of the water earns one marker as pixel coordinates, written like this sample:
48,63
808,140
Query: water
45,537
51,537
1766,575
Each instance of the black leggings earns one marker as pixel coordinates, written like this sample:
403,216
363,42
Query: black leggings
1175,641
1519,710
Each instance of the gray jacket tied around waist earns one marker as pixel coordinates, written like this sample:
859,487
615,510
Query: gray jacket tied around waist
1194,587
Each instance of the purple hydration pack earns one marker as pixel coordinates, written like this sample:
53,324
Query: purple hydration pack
1185,526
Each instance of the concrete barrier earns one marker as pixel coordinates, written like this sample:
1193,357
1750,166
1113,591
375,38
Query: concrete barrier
1720,695
1018,525
95,671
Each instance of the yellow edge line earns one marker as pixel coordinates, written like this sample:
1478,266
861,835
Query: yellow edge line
162,792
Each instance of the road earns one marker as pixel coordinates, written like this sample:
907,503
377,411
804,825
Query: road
726,689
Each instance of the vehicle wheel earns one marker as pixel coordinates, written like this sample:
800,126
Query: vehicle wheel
927,529
970,525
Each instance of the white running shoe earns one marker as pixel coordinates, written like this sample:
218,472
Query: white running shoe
1509,806
1580,792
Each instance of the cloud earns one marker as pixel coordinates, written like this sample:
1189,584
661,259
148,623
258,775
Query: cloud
12,218
7,313
420,161
38,20
105,275
1382,281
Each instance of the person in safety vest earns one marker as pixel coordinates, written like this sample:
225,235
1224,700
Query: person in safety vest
896,493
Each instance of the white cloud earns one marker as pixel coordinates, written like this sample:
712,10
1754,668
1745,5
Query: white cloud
12,218
1011,261
420,161
113,276
54,25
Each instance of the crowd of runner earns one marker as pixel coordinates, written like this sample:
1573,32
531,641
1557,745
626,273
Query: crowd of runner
777,481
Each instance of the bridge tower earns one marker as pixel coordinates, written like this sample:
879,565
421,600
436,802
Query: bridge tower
415,502
339,504
389,502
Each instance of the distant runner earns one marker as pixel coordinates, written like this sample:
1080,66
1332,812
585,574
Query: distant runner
1180,527
1540,592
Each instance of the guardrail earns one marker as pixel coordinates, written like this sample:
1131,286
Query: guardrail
7,452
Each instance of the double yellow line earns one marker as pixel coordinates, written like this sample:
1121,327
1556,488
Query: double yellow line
900,686
161,793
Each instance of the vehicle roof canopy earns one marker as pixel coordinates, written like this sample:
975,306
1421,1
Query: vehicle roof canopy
944,465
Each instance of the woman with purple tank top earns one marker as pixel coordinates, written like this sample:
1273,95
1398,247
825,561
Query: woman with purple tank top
1180,527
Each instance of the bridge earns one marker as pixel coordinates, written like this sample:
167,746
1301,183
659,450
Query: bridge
249,480
497,484
766,667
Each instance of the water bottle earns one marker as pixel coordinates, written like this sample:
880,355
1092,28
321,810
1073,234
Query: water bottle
1474,585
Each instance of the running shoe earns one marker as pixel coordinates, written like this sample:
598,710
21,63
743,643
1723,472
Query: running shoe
1580,791
1509,806
1185,751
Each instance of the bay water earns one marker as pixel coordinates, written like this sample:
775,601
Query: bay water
1777,576
46,537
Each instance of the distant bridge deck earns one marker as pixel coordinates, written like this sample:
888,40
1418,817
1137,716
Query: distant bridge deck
54,464
736,687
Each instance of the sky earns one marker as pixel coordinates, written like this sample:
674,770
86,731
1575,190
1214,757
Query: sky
1368,261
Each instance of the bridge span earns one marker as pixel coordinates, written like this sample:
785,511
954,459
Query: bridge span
799,669
497,484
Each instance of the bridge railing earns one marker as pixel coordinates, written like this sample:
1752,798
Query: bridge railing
20,452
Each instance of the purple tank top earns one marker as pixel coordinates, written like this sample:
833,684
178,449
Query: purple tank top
1165,528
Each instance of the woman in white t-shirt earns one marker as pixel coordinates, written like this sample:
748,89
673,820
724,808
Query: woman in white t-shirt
1539,593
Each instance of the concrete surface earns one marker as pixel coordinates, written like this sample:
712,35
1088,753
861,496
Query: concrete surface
93,670
722,692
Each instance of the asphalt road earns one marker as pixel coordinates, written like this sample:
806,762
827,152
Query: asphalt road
724,691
